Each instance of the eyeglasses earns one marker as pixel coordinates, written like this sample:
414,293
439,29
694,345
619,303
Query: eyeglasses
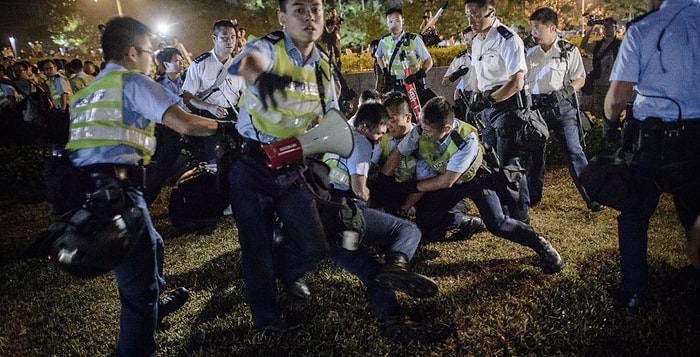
141,50
48,68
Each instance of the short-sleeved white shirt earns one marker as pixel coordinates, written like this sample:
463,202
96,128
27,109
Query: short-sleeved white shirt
202,75
550,71
495,58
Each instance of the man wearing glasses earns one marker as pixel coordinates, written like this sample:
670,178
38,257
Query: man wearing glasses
58,86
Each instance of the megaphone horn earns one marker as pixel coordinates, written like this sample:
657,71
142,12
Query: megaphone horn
331,135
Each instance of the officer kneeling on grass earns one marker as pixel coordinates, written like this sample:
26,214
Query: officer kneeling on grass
454,156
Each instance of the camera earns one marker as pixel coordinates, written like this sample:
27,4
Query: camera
592,19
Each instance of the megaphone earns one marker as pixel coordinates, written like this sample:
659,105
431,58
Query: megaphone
331,135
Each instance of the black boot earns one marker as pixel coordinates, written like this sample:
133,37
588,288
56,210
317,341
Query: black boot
469,226
551,261
395,276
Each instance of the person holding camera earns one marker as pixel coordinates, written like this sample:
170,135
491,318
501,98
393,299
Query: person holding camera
391,46
604,52
331,36
657,61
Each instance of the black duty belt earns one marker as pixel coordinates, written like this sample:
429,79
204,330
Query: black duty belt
128,175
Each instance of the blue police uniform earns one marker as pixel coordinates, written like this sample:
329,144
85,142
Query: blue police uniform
384,232
258,193
140,275
658,53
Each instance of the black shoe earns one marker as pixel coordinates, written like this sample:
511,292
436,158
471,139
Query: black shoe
595,206
551,261
298,290
172,302
394,275
406,331
469,226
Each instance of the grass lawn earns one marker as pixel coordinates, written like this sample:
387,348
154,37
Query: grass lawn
491,291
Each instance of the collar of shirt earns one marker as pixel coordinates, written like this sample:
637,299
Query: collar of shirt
295,54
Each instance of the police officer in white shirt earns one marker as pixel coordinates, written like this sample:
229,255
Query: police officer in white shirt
208,80
555,73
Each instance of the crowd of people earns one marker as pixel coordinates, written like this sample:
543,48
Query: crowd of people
411,169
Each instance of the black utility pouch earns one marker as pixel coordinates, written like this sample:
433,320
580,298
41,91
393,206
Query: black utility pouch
63,183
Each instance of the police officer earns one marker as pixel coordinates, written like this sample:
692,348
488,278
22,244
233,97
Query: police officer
555,74
657,61
288,85
454,158
208,80
392,45
399,203
461,71
498,57
111,136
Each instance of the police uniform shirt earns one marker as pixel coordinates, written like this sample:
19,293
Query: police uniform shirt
458,162
201,75
466,82
421,51
143,101
364,153
496,58
669,70
266,50
167,83
61,85
550,71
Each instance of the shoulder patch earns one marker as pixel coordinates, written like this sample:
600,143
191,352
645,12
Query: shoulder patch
505,32
201,57
274,37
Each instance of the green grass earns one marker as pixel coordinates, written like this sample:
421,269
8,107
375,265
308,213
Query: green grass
491,291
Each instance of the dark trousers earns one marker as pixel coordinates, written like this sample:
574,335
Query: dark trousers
561,119
258,195
209,143
385,233
432,206
501,125
651,176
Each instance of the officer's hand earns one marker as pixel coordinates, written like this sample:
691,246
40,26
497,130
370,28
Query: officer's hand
612,130
486,101
217,111
415,76
267,84
564,93
462,70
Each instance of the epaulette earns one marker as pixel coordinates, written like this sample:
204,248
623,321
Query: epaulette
383,37
565,45
505,32
410,35
462,53
638,18
201,57
274,37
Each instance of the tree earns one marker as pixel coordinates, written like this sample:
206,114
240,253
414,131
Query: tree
70,28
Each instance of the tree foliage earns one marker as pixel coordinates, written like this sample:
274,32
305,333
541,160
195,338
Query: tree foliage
70,28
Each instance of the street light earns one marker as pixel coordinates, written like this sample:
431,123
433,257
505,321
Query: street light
119,8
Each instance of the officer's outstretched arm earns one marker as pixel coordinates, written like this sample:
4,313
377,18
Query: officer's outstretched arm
251,67
445,180
189,124
427,64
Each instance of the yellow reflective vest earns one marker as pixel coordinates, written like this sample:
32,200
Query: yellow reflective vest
96,119
438,162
